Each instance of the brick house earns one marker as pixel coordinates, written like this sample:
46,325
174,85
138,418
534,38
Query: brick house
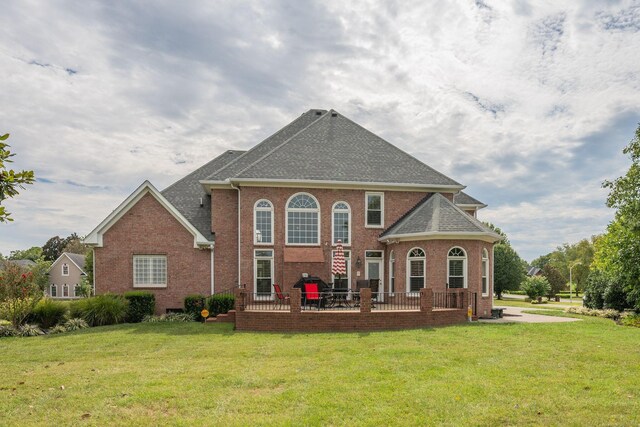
275,212
65,276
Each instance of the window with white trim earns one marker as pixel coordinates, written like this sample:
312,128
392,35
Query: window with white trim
263,222
65,291
303,220
65,269
149,271
392,272
263,272
54,291
457,268
485,272
341,223
374,203
416,267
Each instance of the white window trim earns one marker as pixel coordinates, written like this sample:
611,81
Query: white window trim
65,287
150,285
64,264
464,267
366,209
255,274
255,228
392,272
286,220
333,224
53,286
424,269
484,270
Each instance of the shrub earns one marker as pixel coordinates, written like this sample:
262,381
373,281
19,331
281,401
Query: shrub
141,303
630,319
29,331
100,310
614,296
75,324
8,331
49,313
19,293
220,304
194,304
169,317
597,283
535,286
57,329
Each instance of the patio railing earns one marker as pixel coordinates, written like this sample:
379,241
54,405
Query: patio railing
448,300
266,302
389,301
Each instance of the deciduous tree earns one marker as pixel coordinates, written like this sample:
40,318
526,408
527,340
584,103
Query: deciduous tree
10,180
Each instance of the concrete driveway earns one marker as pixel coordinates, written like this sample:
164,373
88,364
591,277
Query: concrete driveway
515,314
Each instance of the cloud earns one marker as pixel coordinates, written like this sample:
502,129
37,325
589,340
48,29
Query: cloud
527,104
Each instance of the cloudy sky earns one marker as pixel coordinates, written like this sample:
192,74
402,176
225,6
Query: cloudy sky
527,103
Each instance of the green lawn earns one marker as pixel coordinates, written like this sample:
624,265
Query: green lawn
578,373
549,305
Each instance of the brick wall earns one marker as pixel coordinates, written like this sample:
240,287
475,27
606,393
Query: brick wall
224,222
148,229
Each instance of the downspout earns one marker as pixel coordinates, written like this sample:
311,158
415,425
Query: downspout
213,288
239,228
93,268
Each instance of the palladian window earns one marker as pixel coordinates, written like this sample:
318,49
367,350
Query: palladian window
303,220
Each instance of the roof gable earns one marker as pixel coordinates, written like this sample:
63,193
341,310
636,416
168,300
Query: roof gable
437,217
95,237
75,259
463,199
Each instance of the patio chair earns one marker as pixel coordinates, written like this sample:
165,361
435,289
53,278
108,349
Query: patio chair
281,298
312,295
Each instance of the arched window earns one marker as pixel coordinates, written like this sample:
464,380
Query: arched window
485,272
65,291
457,268
303,220
263,222
392,272
54,291
416,266
65,269
341,223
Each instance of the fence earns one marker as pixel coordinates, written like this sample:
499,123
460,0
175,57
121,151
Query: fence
389,301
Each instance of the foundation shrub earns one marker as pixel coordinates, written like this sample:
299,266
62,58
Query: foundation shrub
107,309
220,304
194,304
141,303
49,312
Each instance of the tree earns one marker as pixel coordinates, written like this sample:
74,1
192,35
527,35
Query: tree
618,251
34,253
75,246
10,180
556,280
53,248
88,266
508,269
19,293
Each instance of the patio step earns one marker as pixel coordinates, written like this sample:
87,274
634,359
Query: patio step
229,317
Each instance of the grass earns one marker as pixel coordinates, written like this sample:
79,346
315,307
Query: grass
549,305
578,373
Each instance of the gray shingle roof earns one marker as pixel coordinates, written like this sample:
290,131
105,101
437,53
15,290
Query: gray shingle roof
77,258
436,214
463,198
186,193
326,146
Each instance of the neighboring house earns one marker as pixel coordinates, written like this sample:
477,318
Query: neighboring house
276,211
25,263
534,271
65,276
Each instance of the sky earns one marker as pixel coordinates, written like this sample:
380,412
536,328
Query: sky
529,104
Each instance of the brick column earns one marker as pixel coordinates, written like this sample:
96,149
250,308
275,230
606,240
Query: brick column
365,300
240,295
426,299
295,295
